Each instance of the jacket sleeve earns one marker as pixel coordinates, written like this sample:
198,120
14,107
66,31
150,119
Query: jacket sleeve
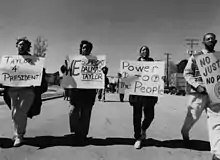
189,73
44,84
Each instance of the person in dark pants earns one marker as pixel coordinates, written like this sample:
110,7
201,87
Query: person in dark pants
199,99
121,95
66,94
81,102
80,111
142,103
101,92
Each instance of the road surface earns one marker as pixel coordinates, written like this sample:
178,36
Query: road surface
111,129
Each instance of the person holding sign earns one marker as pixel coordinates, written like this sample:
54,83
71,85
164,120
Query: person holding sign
20,98
101,92
81,101
66,94
145,103
199,99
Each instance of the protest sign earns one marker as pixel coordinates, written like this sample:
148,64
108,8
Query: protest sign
143,78
21,71
84,72
209,68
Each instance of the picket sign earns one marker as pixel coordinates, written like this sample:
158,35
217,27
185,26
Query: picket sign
21,71
84,72
209,68
142,78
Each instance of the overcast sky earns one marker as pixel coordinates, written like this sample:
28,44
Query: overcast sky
117,28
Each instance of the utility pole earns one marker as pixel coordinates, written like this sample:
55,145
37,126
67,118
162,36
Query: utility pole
191,42
167,77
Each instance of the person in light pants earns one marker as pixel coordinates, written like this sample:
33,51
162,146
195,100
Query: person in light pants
21,98
21,101
82,101
213,117
199,99
196,105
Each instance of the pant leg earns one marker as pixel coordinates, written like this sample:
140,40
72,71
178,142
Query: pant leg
148,115
64,94
14,107
21,103
85,117
137,116
103,94
69,94
74,116
100,94
121,96
196,105
213,118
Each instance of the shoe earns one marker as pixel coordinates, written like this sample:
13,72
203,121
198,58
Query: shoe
137,144
186,140
185,137
18,141
82,140
215,158
80,137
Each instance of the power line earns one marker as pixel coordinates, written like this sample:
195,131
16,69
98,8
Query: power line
191,42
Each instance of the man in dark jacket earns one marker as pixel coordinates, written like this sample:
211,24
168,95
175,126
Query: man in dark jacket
81,101
145,103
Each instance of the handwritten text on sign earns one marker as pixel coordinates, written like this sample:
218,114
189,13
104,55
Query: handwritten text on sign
85,72
143,78
21,71
209,67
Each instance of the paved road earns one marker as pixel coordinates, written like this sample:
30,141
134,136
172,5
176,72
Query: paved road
111,129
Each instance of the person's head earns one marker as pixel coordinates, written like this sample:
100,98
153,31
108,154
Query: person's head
144,52
23,45
105,70
209,41
85,47
119,75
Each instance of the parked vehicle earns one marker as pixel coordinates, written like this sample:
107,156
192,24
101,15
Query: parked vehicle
166,90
